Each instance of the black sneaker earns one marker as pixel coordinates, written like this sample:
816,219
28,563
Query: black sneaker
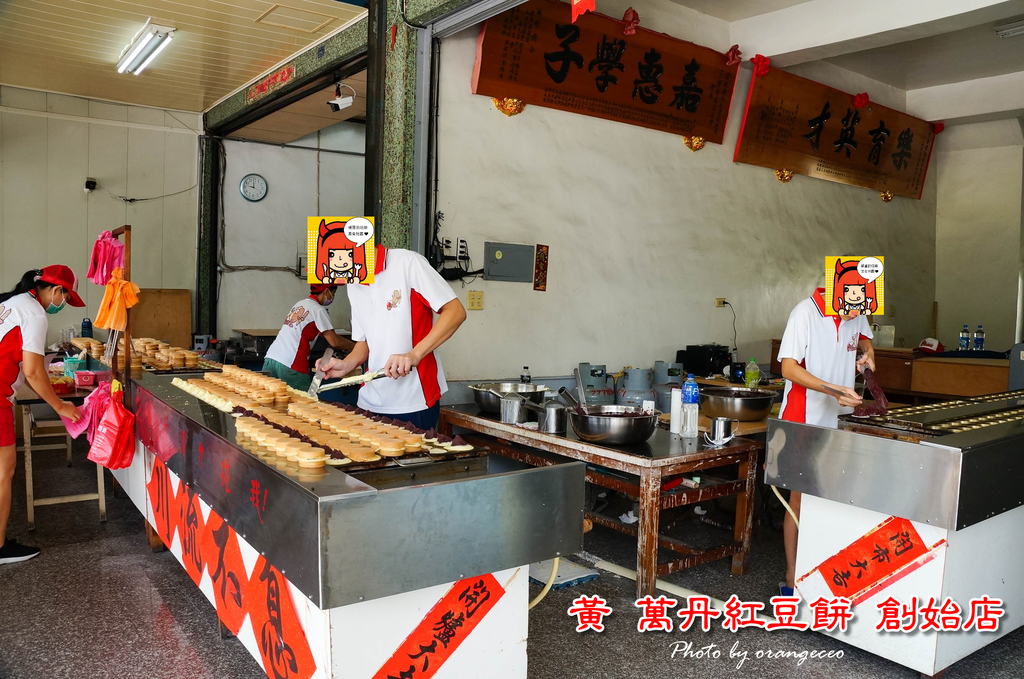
12,552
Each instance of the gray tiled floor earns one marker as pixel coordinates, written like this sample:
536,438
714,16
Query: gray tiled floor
97,603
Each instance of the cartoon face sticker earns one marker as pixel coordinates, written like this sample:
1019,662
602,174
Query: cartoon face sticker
338,260
396,297
852,294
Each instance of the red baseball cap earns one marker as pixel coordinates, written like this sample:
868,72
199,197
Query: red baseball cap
317,288
58,274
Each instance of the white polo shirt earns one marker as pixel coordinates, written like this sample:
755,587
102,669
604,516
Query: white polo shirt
392,315
23,325
825,346
304,323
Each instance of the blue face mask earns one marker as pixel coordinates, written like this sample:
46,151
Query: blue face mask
53,308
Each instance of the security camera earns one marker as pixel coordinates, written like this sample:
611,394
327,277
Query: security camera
339,102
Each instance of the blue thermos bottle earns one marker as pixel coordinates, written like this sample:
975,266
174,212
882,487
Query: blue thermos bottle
86,327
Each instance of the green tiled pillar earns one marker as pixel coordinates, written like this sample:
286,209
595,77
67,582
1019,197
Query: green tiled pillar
206,261
398,131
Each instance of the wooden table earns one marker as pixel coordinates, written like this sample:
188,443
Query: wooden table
26,398
642,469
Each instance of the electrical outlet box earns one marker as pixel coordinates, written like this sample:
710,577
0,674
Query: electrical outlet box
447,242
890,310
719,301
302,266
462,251
508,262
475,300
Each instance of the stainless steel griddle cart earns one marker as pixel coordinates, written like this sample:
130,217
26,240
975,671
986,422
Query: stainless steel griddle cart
941,483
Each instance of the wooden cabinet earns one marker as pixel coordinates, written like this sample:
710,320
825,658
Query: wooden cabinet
776,365
960,376
894,368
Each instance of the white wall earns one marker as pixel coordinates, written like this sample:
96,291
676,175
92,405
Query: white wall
272,231
980,172
46,217
644,234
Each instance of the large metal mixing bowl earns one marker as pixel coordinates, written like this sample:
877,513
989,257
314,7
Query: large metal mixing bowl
736,403
613,425
491,403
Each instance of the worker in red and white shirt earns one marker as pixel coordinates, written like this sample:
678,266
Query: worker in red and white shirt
23,326
288,357
818,352
394,329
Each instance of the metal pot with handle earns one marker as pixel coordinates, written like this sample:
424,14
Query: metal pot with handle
512,408
551,418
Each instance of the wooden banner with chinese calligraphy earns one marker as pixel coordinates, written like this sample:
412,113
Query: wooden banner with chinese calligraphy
800,125
534,53
443,629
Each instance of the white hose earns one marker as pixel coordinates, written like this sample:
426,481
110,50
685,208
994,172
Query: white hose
716,604
788,508
547,587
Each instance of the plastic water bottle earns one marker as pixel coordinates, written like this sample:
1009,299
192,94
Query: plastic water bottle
979,339
691,406
965,338
525,377
86,327
752,375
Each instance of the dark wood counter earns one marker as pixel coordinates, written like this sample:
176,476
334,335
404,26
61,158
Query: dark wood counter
640,471
921,377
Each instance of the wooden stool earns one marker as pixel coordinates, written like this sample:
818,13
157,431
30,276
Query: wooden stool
50,429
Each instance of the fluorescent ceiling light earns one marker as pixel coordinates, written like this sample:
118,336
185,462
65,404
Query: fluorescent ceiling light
1010,30
144,47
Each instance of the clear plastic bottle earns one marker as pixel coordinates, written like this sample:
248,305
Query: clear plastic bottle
525,376
691,406
752,375
979,339
965,338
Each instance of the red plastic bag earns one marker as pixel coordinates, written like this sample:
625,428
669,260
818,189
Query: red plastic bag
113,446
97,402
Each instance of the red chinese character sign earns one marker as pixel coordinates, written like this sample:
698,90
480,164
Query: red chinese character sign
282,642
536,53
166,509
798,125
887,553
227,571
443,629
271,83
190,532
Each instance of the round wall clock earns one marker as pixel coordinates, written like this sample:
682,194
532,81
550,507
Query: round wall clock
253,188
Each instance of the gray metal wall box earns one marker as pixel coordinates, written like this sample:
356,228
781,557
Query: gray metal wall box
508,262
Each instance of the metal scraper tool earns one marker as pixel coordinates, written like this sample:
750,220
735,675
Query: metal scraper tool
356,379
314,387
